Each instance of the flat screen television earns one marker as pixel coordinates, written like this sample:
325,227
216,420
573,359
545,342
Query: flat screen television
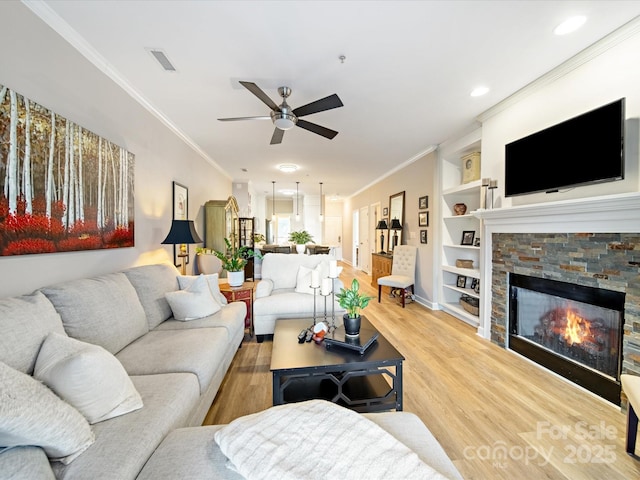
583,150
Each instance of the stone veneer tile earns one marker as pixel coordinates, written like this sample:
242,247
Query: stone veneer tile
604,260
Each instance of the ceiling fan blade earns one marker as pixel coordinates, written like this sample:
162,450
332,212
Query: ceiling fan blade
255,89
326,103
315,128
277,136
235,119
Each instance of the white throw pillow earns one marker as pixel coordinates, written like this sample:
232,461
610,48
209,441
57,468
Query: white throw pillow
86,376
303,280
185,281
193,302
31,414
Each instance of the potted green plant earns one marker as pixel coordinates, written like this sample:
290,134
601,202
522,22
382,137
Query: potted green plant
300,239
353,301
234,261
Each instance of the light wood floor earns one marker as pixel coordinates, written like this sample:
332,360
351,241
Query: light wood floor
497,415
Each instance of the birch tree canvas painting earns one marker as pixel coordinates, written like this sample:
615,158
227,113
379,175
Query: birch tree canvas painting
64,188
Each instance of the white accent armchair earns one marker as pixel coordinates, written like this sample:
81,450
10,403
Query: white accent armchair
403,271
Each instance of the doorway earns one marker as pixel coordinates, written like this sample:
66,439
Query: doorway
364,252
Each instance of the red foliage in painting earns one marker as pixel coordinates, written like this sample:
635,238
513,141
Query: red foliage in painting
84,242
89,227
120,237
28,246
32,226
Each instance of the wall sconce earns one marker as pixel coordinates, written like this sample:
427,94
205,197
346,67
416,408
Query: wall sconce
382,226
182,232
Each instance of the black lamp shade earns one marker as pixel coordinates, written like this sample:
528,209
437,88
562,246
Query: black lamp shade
182,231
382,225
395,224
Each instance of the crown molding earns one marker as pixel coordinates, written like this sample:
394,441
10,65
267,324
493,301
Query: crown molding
62,28
616,37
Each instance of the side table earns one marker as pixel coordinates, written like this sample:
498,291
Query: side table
243,293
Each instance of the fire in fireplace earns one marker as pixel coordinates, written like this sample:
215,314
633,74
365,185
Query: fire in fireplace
576,331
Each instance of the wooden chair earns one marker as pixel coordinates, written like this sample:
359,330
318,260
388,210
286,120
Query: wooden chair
631,388
403,271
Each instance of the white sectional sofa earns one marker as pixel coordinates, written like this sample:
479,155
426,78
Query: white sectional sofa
283,291
176,367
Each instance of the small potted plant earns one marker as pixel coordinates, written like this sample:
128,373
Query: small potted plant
353,301
300,239
234,261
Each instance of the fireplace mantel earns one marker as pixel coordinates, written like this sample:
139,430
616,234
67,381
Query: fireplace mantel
611,213
618,213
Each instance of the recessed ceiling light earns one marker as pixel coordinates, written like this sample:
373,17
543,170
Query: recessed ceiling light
570,25
479,91
287,192
288,168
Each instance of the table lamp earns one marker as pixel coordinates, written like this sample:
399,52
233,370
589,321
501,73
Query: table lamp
182,232
395,226
382,226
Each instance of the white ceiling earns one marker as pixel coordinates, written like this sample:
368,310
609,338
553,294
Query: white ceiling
405,83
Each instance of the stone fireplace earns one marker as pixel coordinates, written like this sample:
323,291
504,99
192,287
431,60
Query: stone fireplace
590,243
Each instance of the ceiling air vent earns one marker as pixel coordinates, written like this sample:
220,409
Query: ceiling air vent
162,59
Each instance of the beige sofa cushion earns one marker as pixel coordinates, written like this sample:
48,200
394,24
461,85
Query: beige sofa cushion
25,322
151,283
103,310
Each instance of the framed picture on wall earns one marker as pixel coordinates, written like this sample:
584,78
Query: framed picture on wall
385,211
423,219
423,203
180,212
423,236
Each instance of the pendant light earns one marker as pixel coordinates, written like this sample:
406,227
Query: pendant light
273,201
297,204
321,216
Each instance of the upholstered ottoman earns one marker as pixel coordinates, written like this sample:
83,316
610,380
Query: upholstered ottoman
192,453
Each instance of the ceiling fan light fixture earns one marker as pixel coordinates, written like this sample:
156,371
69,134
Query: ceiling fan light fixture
283,121
288,168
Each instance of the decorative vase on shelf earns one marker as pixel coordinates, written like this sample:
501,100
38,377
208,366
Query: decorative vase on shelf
459,209
351,325
235,279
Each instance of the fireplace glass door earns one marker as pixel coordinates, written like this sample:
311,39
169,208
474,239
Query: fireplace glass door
574,330
583,333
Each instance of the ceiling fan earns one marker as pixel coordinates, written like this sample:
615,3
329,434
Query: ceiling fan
284,118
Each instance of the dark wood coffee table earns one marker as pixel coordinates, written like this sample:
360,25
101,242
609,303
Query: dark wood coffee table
305,371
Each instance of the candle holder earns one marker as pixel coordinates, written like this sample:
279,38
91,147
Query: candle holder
493,184
314,303
325,317
332,327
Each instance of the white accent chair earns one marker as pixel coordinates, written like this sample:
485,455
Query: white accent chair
403,271
631,388
208,264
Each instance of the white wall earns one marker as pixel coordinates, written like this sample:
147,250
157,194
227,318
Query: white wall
607,77
40,65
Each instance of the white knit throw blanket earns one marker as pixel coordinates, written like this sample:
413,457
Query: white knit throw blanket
317,440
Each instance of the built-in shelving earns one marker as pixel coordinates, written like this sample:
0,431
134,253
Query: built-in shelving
453,191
